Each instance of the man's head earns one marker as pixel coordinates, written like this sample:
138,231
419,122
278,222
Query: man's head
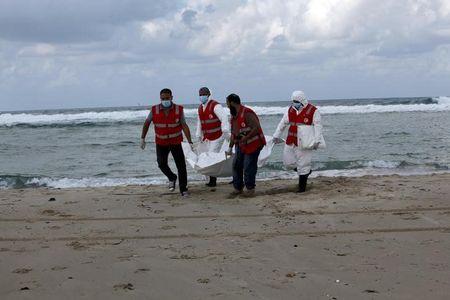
165,94
204,91
233,103
204,94
299,99
166,98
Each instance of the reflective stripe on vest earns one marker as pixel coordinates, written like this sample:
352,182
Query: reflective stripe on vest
255,142
168,136
210,121
167,122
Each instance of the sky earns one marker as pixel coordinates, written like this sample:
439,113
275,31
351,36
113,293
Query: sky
68,53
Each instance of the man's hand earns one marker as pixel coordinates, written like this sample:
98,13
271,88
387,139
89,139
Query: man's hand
277,140
316,146
192,146
229,152
143,143
226,135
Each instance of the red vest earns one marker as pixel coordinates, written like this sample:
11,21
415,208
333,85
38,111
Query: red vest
210,123
305,117
255,142
167,127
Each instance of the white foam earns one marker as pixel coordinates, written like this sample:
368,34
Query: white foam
8,119
64,183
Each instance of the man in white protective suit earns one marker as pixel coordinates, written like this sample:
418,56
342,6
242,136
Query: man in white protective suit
304,136
213,126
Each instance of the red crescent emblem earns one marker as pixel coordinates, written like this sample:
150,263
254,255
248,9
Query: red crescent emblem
243,124
306,120
210,116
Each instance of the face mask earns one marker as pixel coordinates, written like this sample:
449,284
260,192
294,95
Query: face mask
166,103
297,105
203,99
233,111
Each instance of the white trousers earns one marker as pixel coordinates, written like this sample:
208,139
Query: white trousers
294,157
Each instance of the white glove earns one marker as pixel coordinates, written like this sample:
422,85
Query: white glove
229,152
277,140
143,143
226,135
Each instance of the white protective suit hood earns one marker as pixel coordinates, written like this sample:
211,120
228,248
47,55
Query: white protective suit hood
299,96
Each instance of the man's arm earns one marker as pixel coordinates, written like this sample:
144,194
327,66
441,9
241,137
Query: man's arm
317,122
145,128
185,127
253,123
223,117
281,126
198,130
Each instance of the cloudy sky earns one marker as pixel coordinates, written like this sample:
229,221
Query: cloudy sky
80,53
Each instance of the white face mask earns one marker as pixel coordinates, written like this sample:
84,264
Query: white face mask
166,103
203,99
297,105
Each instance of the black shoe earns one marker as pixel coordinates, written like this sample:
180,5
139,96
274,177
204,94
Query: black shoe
172,185
212,182
302,180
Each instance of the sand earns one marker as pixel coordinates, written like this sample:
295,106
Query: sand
385,237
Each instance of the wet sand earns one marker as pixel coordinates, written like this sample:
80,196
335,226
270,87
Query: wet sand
385,237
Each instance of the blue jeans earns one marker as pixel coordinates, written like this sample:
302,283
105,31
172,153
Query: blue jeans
245,167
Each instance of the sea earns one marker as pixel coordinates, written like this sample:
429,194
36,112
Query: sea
96,147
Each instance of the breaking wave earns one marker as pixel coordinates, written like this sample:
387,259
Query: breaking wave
127,116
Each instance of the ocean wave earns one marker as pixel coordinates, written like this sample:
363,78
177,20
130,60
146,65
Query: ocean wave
89,118
375,168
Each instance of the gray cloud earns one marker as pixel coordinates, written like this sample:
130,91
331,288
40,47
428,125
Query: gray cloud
110,52
73,20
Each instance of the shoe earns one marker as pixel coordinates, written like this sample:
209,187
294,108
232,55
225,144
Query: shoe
185,194
212,182
172,185
234,194
302,180
249,193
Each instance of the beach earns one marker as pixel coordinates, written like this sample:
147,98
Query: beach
369,237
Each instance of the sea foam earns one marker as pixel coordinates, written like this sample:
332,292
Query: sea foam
11,119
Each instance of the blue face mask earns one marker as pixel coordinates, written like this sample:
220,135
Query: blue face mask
166,103
297,105
203,99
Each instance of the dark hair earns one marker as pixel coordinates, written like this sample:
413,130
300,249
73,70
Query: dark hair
204,90
166,91
233,98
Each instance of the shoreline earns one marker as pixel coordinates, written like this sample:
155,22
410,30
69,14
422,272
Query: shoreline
348,238
111,182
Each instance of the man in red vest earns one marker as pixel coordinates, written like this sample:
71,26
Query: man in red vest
248,138
169,122
304,136
212,126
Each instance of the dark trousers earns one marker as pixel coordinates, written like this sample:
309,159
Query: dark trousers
162,155
245,167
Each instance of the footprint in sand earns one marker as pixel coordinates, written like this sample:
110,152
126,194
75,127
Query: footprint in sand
22,270
123,286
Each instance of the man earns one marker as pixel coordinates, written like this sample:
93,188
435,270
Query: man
248,137
305,127
168,119
212,126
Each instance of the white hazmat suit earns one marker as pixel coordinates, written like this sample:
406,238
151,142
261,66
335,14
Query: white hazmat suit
309,138
216,145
